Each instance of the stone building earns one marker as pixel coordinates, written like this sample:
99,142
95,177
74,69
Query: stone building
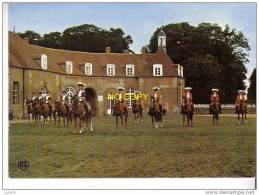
33,68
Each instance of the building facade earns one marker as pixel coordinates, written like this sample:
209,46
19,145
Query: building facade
33,69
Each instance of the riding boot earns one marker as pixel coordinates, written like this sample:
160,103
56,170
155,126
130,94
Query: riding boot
181,109
113,112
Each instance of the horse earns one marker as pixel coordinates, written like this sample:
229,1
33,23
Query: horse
137,111
120,111
36,110
156,113
44,111
241,109
28,104
79,113
188,112
61,111
215,113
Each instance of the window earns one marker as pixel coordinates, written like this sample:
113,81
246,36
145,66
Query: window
88,69
44,62
181,71
129,97
15,92
110,70
129,70
157,70
69,67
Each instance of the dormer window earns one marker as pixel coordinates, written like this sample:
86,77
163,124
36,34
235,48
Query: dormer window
110,69
88,69
158,70
69,67
44,62
129,70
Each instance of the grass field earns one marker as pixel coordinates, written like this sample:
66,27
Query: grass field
228,150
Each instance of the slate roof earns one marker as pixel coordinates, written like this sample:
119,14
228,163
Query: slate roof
24,55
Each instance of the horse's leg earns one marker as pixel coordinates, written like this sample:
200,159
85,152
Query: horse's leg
126,120
238,118
243,117
91,123
183,119
117,121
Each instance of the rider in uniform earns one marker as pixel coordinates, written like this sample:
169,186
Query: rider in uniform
64,99
80,93
187,97
47,100
157,97
214,99
40,97
241,98
34,96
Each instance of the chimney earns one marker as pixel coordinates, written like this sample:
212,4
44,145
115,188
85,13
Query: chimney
108,50
126,51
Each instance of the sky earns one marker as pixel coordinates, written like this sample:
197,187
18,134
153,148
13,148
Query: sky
139,20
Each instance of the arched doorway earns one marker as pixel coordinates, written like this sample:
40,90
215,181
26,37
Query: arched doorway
91,97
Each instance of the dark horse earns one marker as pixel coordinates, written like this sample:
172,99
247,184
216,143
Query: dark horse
241,110
121,111
215,113
188,112
155,112
28,104
60,110
137,111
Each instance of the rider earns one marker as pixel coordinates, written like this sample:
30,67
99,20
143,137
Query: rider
187,98
80,93
157,97
214,99
64,99
241,98
34,96
40,97
47,100
120,99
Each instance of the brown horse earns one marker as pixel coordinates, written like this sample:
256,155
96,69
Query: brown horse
137,111
79,114
28,104
156,113
88,115
188,112
241,110
121,111
36,111
44,111
60,110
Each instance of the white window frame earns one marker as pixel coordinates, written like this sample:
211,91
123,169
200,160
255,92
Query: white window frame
181,71
155,70
16,86
69,67
44,62
110,69
130,66
88,66
129,97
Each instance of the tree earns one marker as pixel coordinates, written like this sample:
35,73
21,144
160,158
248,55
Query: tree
34,38
252,87
212,57
86,37
52,40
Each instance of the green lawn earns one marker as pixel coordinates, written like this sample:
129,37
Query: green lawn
139,151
